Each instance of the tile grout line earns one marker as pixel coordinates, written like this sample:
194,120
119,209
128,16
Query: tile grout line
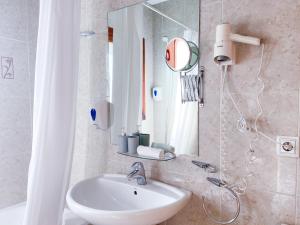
89,51
298,121
12,39
29,68
297,180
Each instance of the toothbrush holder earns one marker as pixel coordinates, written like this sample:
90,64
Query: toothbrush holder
123,143
133,143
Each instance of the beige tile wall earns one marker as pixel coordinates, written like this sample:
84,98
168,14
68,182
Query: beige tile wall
272,196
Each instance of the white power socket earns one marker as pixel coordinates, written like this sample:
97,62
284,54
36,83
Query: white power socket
288,146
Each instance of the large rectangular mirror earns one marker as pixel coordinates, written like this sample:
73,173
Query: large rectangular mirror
145,93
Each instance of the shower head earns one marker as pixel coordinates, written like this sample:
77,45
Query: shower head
224,51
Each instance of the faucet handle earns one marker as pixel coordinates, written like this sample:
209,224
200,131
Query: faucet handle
137,172
137,166
206,166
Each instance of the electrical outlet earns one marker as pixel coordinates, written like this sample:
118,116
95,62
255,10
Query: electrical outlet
288,146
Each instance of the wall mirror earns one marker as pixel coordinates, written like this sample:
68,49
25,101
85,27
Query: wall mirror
145,88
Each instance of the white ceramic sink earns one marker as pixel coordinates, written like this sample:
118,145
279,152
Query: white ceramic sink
113,200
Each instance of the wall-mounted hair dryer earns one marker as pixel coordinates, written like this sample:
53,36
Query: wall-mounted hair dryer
224,52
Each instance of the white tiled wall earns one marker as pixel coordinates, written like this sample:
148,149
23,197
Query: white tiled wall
18,30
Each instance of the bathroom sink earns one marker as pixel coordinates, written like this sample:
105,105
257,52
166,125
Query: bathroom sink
113,200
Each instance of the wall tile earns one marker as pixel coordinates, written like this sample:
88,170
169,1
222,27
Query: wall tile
84,68
19,85
15,141
82,125
97,63
297,219
13,187
84,22
97,15
298,179
259,207
15,112
33,20
78,168
13,19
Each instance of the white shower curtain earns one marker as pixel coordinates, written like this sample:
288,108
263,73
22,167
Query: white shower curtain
54,111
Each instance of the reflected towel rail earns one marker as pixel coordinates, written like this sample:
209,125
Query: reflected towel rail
87,33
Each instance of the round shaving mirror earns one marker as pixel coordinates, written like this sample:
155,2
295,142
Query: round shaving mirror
181,55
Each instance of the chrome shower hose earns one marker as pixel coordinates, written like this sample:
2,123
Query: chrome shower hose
238,206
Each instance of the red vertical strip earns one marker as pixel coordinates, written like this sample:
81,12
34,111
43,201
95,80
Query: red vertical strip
110,34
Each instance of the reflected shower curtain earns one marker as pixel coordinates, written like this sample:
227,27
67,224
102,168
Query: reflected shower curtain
132,68
127,69
54,111
183,126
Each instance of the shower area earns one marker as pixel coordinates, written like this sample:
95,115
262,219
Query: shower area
18,37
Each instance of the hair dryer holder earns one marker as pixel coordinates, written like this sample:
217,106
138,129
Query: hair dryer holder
224,49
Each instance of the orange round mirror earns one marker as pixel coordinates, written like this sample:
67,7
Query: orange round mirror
177,54
181,55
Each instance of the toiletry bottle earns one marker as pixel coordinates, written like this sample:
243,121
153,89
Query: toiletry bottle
123,142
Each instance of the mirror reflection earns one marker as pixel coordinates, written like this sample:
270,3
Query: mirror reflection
181,55
145,93
177,54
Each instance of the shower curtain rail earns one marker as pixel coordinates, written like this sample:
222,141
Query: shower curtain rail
166,16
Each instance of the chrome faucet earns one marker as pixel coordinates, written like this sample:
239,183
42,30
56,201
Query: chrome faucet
137,172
